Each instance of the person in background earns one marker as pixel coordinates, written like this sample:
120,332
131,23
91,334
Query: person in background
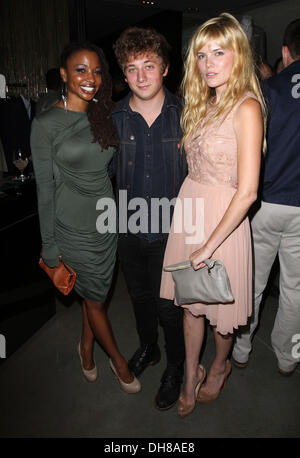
265,71
276,225
223,129
149,165
278,66
54,88
72,145
119,88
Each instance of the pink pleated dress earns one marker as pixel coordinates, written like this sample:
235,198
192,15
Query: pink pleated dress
202,201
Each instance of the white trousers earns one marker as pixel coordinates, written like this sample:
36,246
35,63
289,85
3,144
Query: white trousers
276,229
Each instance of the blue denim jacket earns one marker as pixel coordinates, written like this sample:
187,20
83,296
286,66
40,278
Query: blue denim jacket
174,161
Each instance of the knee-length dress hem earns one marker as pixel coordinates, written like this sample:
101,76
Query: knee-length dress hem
206,194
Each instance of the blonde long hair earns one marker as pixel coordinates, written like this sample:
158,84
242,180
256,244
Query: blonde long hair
228,33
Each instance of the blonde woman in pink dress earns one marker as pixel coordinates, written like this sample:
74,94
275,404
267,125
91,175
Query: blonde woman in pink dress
223,124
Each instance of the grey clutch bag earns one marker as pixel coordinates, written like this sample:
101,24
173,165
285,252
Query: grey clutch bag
210,284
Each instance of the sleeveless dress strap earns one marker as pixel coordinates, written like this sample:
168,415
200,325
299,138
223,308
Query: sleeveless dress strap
247,95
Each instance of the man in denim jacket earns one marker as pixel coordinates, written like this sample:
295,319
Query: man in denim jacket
149,166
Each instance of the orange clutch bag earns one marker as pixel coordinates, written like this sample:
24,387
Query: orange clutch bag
62,276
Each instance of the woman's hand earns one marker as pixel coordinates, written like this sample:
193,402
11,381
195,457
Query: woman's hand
197,257
51,262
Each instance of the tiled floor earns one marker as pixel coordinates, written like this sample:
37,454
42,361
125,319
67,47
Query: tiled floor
43,393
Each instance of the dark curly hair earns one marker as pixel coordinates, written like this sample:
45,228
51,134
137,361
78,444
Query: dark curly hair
135,41
99,113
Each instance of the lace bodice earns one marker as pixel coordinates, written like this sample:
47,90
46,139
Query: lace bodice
212,155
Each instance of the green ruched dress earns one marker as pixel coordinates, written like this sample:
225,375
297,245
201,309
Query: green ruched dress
71,176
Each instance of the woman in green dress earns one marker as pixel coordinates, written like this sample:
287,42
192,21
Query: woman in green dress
72,144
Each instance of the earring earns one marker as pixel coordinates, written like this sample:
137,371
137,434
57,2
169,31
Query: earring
95,99
64,96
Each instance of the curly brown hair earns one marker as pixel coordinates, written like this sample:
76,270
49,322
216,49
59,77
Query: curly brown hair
99,113
135,41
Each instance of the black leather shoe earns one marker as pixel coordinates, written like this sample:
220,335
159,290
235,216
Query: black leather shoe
169,389
146,355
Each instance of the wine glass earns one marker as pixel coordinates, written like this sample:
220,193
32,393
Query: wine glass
20,161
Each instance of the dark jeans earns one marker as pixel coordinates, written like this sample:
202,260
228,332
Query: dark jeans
141,263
